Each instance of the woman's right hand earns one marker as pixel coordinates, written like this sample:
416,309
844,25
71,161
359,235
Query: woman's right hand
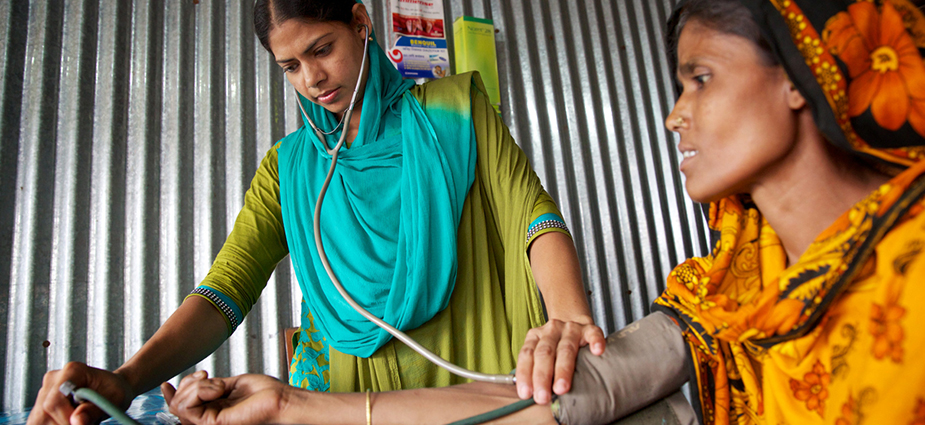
52,407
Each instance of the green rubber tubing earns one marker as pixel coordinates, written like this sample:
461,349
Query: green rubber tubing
497,413
85,394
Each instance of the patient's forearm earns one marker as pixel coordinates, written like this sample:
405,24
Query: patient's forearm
421,406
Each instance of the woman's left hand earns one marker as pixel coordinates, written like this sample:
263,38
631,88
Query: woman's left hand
549,351
242,399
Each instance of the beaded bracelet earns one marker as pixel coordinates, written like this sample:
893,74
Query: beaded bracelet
217,300
550,223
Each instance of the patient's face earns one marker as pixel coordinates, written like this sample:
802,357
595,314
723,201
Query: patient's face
737,127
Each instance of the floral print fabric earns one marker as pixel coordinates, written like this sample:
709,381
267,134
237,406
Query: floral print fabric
883,62
833,338
758,355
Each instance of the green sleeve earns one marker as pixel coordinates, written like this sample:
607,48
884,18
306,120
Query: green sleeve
509,178
545,205
250,253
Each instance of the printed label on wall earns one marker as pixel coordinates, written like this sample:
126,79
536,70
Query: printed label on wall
419,39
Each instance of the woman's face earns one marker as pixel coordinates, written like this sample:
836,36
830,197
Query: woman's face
736,115
322,59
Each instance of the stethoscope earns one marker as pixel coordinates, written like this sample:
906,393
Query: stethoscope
401,336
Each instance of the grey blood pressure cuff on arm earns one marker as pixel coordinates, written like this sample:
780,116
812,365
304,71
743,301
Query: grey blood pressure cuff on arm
644,362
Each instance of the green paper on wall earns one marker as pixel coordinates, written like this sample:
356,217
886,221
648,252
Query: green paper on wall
474,41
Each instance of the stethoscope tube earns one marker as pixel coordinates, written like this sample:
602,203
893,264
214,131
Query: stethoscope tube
401,336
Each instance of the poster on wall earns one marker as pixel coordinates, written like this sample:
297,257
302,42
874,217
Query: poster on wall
419,39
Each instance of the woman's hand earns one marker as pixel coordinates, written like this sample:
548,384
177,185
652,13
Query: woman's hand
549,351
242,399
53,407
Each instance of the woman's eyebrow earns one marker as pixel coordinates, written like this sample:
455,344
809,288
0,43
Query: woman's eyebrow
307,49
687,68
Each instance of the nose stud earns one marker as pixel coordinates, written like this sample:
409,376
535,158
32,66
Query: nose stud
679,121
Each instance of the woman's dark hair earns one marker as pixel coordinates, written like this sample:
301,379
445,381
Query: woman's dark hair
269,13
725,16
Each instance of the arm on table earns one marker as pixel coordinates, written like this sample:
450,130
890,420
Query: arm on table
644,362
250,399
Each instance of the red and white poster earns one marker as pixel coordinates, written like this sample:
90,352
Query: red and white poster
419,38
423,18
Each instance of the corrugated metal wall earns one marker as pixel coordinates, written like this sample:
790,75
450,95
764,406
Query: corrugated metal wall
130,131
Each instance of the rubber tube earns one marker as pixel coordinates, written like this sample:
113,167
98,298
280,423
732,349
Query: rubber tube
85,394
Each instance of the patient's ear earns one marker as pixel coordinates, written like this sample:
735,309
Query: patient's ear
795,99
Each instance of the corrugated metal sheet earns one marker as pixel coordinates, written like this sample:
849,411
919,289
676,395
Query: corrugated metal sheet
130,131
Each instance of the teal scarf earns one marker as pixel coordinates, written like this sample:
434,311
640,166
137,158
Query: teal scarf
390,217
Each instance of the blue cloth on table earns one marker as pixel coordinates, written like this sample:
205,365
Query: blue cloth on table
143,409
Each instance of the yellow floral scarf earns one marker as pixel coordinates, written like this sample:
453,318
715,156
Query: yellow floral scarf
834,338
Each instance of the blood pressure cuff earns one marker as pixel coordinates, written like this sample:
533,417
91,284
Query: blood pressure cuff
643,363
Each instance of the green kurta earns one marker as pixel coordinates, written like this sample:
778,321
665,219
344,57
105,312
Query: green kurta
495,300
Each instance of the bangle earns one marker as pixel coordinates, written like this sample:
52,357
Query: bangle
369,410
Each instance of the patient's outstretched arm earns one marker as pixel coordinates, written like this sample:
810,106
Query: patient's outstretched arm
643,363
252,399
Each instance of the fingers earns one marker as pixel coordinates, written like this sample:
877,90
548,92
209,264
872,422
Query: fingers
55,405
560,339
195,391
593,336
536,360
47,411
546,363
169,391
566,351
574,336
185,402
51,406
524,372
86,413
543,361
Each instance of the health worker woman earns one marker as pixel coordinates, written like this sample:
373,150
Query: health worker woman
434,221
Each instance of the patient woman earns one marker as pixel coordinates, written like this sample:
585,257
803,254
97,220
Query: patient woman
802,124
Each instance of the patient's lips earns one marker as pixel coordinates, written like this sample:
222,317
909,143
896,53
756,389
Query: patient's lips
687,152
